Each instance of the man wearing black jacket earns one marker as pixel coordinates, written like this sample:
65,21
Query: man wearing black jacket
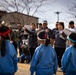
48,30
32,38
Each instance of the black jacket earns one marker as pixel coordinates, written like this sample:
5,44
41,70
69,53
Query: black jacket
32,38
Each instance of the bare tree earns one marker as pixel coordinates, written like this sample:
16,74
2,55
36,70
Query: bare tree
71,9
29,7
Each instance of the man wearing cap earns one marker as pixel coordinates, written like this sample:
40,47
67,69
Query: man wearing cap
48,31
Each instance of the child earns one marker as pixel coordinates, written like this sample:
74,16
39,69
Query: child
69,57
8,58
44,60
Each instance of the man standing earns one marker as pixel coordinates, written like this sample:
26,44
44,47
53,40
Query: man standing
19,36
72,26
49,32
32,38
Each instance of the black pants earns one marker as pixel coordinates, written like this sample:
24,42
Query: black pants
31,51
59,52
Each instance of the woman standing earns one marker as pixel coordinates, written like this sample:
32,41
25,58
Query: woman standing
8,63
60,42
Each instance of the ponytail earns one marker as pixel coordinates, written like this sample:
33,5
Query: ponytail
4,33
47,42
3,48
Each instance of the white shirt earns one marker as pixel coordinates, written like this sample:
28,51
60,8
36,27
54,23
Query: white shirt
73,29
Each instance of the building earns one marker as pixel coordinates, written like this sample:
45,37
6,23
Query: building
14,18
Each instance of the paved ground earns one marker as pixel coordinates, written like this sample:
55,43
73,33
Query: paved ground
24,70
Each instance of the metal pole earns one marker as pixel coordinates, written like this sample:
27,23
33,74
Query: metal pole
57,15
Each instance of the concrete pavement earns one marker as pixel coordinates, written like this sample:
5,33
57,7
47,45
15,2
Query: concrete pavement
23,69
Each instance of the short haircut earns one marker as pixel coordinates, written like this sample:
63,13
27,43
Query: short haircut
33,24
71,22
40,24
